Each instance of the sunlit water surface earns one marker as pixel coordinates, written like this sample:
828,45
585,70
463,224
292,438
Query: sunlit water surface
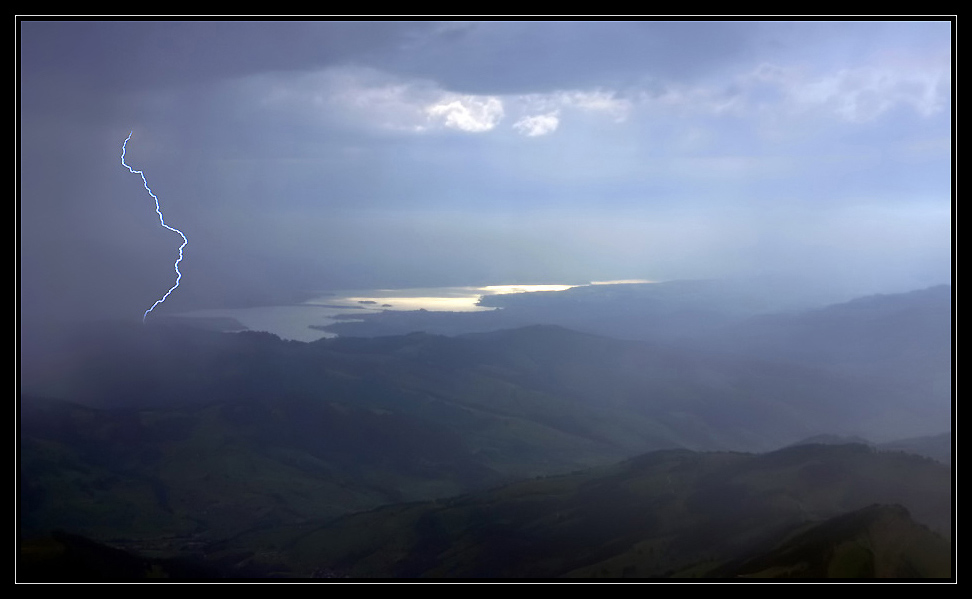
294,321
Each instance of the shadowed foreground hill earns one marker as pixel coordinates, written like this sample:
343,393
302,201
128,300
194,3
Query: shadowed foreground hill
879,541
665,514
63,557
813,511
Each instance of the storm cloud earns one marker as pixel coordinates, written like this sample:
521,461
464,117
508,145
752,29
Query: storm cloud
302,156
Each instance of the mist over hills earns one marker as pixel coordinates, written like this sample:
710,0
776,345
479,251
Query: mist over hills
898,341
755,316
905,333
785,171
648,311
168,439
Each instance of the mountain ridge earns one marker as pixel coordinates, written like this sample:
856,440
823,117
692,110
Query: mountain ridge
201,437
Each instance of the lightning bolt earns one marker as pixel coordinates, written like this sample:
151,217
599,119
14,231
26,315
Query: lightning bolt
158,210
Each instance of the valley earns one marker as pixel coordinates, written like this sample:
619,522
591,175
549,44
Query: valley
247,452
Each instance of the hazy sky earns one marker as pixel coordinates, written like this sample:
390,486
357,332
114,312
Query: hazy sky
302,156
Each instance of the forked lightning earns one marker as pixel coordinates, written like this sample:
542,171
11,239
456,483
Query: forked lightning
158,210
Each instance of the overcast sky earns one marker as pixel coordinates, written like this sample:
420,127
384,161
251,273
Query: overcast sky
304,156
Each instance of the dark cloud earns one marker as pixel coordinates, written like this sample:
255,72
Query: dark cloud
119,56
305,155
527,57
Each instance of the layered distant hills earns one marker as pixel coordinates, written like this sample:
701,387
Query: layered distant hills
172,441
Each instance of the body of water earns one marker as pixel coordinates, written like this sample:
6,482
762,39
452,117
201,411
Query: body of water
294,321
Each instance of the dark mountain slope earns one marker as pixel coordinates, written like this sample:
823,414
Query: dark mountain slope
879,541
666,513
937,447
63,557
195,435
